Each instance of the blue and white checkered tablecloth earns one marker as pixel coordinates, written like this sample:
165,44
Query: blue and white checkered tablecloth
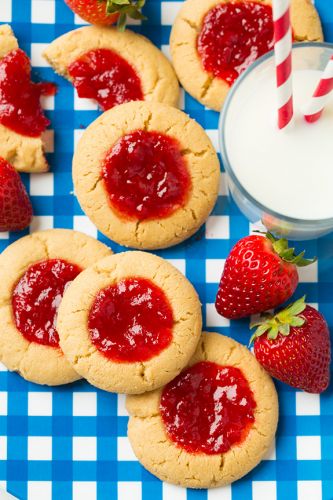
70,442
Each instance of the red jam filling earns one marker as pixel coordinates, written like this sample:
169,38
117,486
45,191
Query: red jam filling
208,408
36,299
105,76
131,321
146,175
233,36
20,108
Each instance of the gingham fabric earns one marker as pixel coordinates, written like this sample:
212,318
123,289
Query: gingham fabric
70,442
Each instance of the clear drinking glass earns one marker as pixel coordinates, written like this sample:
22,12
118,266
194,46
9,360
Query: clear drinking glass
312,56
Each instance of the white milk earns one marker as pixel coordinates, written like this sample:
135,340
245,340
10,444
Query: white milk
289,171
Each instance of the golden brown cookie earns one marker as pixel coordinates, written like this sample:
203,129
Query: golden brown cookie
202,85
25,153
35,270
146,175
130,323
212,424
158,79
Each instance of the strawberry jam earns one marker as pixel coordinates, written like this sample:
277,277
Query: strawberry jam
146,175
208,408
36,299
232,36
20,108
131,321
105,76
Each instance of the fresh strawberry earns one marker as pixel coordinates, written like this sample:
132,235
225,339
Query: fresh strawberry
260,273
15,206
294,347
107,11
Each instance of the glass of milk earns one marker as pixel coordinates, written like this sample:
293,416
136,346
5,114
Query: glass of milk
282,177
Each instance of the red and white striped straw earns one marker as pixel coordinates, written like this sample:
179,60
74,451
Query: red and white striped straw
321,95
282,49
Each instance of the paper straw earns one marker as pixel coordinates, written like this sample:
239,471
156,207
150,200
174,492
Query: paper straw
315,107
282,50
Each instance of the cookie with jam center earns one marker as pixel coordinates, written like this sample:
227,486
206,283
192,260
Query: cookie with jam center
212,424
130,323
35,272
113,67
146,174
213,42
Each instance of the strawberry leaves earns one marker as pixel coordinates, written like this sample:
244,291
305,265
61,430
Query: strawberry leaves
281,322
125,8
288,254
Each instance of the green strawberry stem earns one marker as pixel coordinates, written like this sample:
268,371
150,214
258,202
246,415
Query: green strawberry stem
125,8
281,322
281,247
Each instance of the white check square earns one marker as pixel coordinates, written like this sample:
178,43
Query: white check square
271,452
40,404
308,274
214,270
84,490
129,490
308,447
169,11
47,102
6,11
41,222
121,406
43,11
39,448
3,403
37,59
254,227
264,490
79,20
179,264
78,133
223,189
217,227
171,491
42,184
83,104
309,490
223,493
213,134
3,447
83,223
84,404
213,318
84,448
307,404
166,51
124,450
38,490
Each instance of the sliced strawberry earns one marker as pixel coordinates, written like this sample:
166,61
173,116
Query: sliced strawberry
294,347
15,206
260,273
